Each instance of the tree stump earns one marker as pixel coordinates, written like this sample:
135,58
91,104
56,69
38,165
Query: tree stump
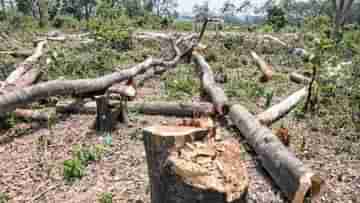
104,121
184,167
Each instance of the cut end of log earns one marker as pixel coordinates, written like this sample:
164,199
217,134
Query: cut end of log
265,68
214,167
173,131
309,188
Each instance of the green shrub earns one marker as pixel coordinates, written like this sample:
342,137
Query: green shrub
276,18
73,169
232,42
183,25
82,156
266,28
115,31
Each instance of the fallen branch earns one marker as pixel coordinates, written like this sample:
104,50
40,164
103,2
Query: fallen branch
265,68
209,85
277,111
296,180
14,99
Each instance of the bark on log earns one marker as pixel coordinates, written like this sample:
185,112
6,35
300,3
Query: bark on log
298,78
217,95
150,108
122,90
37,115
265,68
279,110
185,169
21,53
296,180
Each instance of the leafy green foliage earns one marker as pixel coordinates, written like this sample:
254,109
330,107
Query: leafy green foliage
233,41
73,169
116,32
183,25
82,156
106,197
276,17
3,198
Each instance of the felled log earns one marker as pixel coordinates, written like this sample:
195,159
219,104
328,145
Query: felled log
279,110
217,95
20,53
298,78
150,108
12,100
122,90
26,65
295,179
184,168
265,68
37,115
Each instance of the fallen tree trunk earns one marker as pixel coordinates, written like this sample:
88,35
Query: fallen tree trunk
21,53
183,167
265,68
37,115
27,65
12,100
277,111
150,108
217,95
298,78
296,180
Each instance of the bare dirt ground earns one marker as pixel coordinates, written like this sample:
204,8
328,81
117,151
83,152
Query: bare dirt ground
31,168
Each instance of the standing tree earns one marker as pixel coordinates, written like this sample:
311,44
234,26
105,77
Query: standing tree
43,13
276,17
342,10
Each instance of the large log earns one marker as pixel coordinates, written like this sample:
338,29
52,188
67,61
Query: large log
27,65
184,168
296,180
265,68
12,100
279,110
150,108
298,78
217,95
20,53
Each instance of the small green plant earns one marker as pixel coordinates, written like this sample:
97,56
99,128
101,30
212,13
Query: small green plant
4,198
269,96
106,197
73,169
82,156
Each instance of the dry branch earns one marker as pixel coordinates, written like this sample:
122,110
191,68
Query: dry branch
265,68
296,180
209,85
278,111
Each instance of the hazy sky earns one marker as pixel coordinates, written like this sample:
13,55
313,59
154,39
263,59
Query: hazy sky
187,5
